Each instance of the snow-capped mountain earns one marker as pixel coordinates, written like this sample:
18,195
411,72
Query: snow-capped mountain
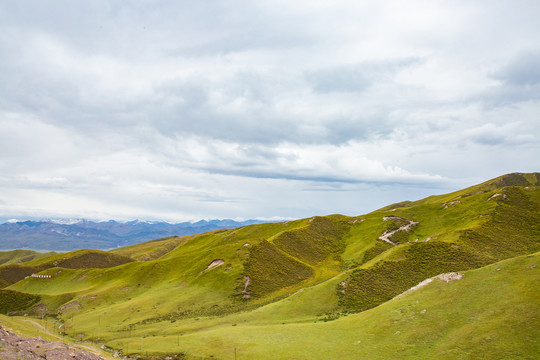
72,234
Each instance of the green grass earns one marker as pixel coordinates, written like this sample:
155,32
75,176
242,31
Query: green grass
488,323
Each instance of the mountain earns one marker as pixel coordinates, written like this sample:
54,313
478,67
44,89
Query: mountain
66,235
449,276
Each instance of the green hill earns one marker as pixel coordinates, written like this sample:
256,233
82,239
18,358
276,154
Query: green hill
21,256
297,289
81,259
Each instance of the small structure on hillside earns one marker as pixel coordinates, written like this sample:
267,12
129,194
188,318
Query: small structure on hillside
41,276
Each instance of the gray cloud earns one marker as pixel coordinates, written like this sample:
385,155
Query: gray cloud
182,109
508,134
524,70
357,77
518,81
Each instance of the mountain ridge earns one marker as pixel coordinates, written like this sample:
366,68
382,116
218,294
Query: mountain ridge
68,235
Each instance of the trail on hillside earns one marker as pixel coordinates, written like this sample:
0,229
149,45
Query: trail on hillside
15,347
388,234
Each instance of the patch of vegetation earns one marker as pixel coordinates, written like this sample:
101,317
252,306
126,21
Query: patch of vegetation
151,250
21,256
514,179
375,250
269,270
401,236
11,301
322,238
367,288
89,259
395,223
203,311
82,259
513,229
10,274
396,205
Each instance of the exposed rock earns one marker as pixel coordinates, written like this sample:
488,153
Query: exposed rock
497,195
451,203
14,347
247,281
388,234
444,277
71,305
215,263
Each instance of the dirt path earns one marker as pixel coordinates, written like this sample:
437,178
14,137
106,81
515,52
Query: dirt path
388,234
15,347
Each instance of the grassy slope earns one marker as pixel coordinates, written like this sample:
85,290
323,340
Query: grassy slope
458,231
172,291
81,259
496,317
21,256
151,250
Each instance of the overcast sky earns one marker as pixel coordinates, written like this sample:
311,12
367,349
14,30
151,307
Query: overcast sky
182,110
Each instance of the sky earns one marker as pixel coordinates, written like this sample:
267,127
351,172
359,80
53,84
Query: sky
187,110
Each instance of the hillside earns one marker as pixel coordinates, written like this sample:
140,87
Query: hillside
21,256
82,259
255,286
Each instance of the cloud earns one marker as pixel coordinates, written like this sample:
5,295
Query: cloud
517,81
194,109
491,134
357,77
523,70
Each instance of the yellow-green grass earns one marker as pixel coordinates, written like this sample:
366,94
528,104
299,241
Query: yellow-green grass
492,313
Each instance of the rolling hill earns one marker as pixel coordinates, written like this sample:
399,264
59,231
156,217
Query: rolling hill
316,288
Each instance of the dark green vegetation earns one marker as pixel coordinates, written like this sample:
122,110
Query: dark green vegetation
15,301
270,269
512,229
311,281
372,286
21,256
81,259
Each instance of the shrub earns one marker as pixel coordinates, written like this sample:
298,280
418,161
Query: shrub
269,269
16,301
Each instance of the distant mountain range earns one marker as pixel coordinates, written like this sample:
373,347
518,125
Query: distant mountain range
66,235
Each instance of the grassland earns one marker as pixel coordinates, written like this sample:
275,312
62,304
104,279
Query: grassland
315,288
